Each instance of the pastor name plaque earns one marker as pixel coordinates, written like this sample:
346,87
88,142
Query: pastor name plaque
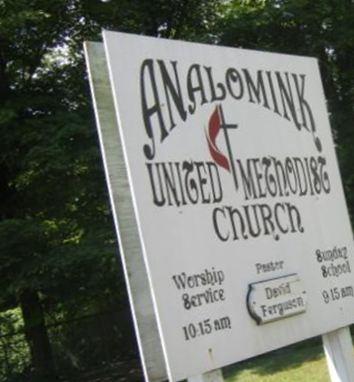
276,299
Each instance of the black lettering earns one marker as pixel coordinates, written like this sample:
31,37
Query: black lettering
215,180
190,184
232,212
159,200
256,88
276,214
216,224
287,98
247,180
172,89
170,183
306,112
219,86
232,75
292,210
195,76
147,75
202,181
254,231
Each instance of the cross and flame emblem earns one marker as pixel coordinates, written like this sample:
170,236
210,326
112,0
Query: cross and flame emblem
217,123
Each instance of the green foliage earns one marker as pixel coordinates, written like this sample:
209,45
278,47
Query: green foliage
55,228
14,353
296,363
188,19
53,195
323,29
56,235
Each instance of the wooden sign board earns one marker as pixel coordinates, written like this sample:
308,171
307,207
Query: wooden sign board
233,183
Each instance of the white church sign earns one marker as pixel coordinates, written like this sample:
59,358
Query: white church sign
238,201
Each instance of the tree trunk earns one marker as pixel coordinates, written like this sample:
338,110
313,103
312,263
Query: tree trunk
36,334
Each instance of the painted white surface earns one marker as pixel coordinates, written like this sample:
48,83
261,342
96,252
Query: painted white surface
339,354
178,240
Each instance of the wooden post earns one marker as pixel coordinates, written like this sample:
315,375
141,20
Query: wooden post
339,354
212,376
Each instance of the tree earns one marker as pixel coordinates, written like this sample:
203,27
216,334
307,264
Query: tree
56,238
323,29
52,199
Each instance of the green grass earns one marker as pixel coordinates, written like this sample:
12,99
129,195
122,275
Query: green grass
297,363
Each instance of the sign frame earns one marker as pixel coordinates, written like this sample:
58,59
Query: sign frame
138,285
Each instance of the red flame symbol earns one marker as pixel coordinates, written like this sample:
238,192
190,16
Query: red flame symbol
213,131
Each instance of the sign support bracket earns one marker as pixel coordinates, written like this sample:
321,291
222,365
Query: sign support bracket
126,226
339,355
211,376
